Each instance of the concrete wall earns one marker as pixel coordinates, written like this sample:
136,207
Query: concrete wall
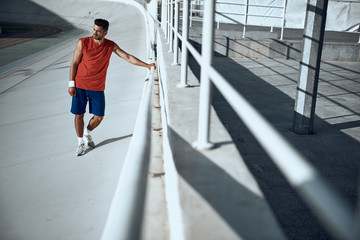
262,44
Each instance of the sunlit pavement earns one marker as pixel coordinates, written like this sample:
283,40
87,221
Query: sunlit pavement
234,190
46,191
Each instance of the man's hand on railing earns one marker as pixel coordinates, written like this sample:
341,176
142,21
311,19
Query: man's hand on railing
151,65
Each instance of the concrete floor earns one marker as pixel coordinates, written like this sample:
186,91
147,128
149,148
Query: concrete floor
229,192
225,187
46,191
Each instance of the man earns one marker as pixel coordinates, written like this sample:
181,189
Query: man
87,79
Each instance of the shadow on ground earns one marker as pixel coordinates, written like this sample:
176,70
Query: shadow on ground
235,203
334,154
108,141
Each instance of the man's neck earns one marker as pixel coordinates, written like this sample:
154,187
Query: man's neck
99,41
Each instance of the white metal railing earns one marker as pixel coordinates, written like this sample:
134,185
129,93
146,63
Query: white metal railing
245,14
125,216
330,208
126,211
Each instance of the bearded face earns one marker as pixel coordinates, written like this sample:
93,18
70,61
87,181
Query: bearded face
98,33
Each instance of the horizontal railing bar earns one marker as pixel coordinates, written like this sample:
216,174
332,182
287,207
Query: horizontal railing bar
240,4
197,10
242,14
265,16
234,4
126,211
194,52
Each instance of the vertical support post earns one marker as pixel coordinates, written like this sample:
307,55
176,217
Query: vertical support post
205,87
216,18
283,21
163,17
171,26
304,112
184,40
245,17
168,22
176,39
191,12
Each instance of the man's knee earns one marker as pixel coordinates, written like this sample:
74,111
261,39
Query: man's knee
98,118
79,117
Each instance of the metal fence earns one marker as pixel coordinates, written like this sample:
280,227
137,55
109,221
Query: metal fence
329,207
197,12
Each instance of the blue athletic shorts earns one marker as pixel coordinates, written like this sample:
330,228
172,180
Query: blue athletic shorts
96,102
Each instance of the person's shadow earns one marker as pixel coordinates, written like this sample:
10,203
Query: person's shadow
107,141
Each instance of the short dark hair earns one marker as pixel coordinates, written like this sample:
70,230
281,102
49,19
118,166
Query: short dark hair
102,23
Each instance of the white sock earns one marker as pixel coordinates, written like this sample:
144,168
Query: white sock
88,131
80,140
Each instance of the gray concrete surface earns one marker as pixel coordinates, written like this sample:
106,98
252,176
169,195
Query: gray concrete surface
46,192
260,43
225,188
17,47
219,197
231,192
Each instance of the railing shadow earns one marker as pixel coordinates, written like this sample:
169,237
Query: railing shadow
240,208
333,153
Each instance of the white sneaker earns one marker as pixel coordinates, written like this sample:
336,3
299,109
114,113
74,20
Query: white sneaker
80,149
89,141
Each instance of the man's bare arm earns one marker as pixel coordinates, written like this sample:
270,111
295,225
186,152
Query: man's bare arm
74,66
131,59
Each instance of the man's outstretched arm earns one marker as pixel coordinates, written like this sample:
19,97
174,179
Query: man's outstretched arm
74,66
131,59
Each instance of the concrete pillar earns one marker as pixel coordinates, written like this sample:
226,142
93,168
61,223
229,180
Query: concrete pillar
304,112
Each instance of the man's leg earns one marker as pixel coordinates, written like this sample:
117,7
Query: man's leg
96,107
79,125
93,123
78,107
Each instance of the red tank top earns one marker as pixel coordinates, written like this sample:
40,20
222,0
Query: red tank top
91,72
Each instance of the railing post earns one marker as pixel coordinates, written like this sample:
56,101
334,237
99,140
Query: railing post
171,46
184,50
245,17
283,21
164,18
191,12
205,83
168,22
176,39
